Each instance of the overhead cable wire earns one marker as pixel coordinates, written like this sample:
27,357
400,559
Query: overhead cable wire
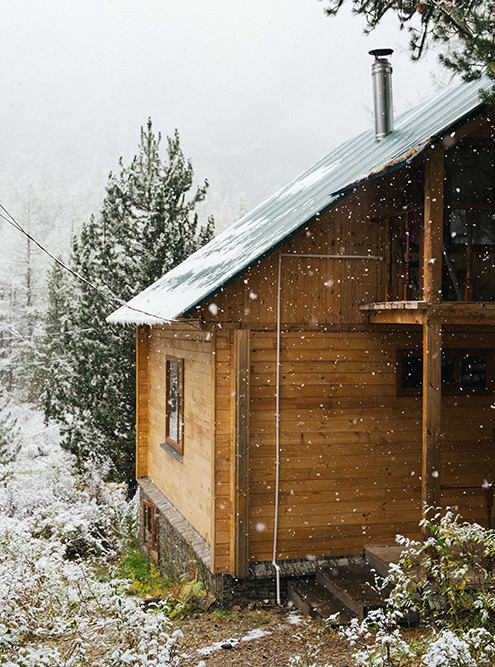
8,217
47,335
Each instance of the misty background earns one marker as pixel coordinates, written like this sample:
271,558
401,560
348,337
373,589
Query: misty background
259,91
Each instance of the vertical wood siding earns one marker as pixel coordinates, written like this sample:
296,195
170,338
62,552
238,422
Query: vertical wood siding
142,401
224,402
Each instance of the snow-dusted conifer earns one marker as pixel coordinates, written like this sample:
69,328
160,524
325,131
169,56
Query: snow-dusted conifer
146,226
9,446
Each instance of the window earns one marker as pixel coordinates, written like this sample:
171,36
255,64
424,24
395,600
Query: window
463,372
470,184
150,528
175,403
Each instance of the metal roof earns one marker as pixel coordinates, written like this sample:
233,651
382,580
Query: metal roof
275,221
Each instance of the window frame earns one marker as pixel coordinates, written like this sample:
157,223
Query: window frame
176,442
455,388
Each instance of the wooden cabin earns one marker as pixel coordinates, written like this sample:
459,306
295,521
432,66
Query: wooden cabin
320,372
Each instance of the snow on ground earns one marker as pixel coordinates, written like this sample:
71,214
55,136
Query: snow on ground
233,641
37,440
54,526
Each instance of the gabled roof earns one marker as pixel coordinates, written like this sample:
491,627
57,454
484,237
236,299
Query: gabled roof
275,221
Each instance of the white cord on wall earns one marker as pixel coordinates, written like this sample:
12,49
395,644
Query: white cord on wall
277,394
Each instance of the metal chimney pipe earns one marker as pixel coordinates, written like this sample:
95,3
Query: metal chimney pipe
381,73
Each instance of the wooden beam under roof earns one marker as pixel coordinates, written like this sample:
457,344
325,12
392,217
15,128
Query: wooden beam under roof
417,312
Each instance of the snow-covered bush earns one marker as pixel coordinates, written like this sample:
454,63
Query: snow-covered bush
446,577
54,527
44,492
377,639
448,650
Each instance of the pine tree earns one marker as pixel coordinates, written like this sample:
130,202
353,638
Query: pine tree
465,28
50,375
9,447
147,225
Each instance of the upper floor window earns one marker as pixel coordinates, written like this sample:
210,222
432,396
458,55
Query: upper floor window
470,192
175,403
470,174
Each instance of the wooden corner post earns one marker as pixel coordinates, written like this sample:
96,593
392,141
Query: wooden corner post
142,398
240,458
433,221
432,403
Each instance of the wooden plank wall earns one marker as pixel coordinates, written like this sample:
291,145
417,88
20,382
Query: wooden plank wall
186,482
316,291
468,437
350,448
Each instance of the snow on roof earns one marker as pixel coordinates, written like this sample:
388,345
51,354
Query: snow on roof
275,221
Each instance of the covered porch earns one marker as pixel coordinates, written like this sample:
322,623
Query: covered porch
464,373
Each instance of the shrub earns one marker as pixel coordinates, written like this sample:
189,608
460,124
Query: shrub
445,577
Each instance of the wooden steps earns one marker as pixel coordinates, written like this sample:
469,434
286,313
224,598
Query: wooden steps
349,590
381,556
312,598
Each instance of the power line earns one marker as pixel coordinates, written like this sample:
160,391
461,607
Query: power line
47,335
8,217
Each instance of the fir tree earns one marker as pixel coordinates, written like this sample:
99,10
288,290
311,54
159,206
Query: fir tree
466,28
147,225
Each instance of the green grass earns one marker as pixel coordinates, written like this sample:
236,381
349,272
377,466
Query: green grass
147,582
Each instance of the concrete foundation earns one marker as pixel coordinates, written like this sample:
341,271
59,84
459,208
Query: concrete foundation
182,550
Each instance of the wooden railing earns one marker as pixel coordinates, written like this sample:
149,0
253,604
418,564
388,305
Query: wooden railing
412,283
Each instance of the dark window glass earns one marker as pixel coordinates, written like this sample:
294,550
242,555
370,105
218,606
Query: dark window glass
462,371
412,371
448,371
483,230
473,371
471,172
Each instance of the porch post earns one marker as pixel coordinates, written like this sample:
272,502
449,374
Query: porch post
432,403
433,222
432,329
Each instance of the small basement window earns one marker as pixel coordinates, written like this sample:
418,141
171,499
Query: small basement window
150,528
463,372
175,403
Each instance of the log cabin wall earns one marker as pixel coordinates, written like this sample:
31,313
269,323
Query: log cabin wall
185,481
142,400
350,450
350,446
468,435
314,290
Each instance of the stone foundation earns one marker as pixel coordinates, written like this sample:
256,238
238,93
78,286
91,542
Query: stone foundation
182,550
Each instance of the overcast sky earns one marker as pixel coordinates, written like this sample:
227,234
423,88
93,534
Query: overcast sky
258,89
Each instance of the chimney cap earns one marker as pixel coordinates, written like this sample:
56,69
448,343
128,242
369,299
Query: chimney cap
381,52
